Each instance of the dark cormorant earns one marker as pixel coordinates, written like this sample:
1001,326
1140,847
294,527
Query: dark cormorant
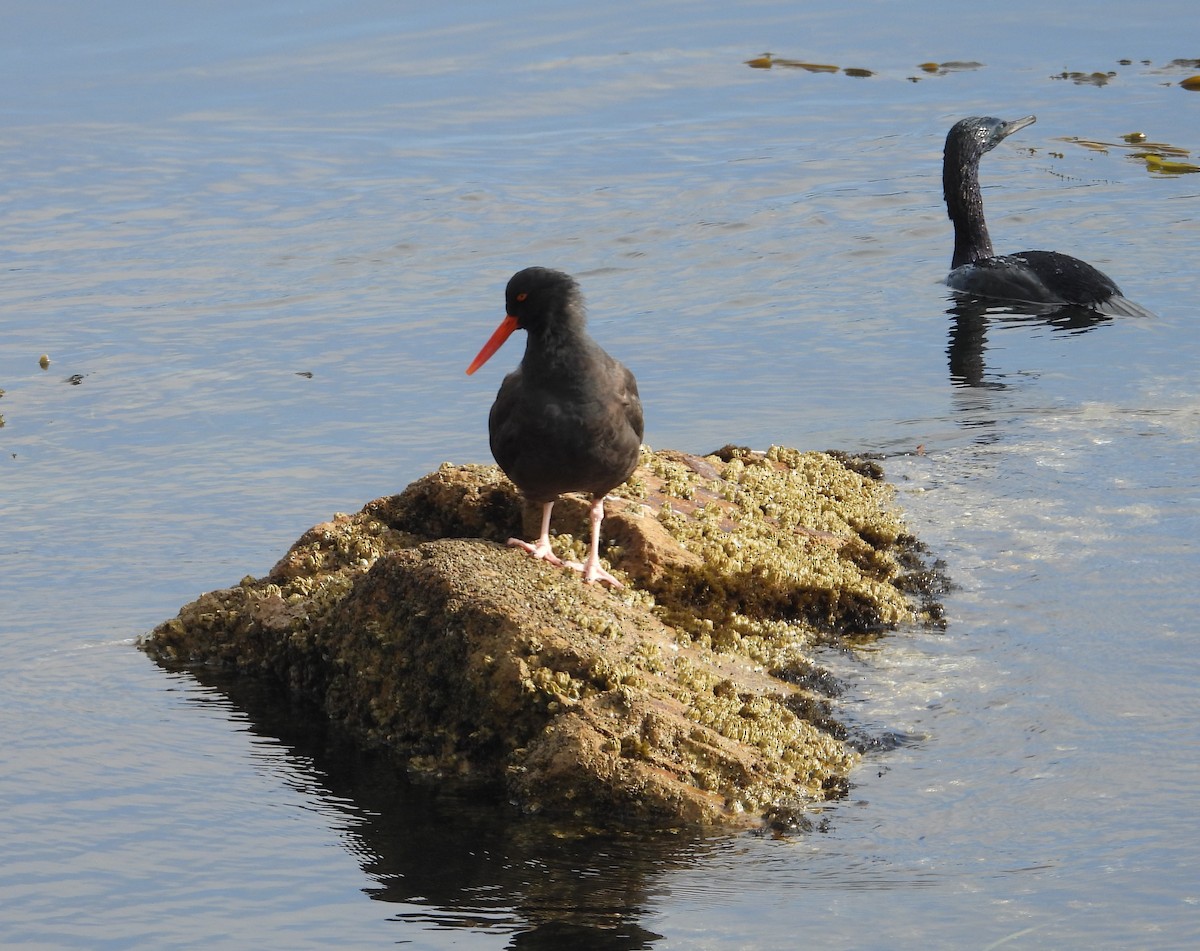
568,419
1038,277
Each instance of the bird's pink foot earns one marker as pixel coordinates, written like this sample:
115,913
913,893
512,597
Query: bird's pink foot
593,571
540,549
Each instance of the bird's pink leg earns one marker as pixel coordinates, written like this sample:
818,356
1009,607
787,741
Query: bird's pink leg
591,568
540,549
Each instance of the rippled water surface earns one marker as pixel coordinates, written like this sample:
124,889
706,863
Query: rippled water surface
259,243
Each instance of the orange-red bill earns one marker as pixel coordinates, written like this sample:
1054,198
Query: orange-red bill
502,333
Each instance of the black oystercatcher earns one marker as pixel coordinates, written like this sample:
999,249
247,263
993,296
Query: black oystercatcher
568,419
1040,277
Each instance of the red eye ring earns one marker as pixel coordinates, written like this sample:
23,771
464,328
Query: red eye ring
522,295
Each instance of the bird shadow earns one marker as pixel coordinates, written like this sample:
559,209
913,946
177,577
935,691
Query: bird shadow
971,318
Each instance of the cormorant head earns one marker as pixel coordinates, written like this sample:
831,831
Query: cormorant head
973,136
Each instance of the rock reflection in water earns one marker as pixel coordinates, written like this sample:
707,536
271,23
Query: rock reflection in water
462,859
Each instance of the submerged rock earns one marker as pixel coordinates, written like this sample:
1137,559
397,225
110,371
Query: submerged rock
686,698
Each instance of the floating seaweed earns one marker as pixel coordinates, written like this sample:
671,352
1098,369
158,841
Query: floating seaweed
1090,144
1131,139
1159,157
808,67
768,61
951,66
1156,163
1086,79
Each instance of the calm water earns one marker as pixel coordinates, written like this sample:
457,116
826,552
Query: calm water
259,243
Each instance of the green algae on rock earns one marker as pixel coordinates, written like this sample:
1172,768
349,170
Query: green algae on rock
687,698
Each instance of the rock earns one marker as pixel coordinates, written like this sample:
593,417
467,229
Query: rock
686,699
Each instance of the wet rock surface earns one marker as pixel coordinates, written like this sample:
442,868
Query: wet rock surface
687,698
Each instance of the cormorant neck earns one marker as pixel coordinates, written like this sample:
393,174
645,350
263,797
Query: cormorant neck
964,205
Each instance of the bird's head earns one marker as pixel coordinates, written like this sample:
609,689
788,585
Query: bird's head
538,295
976,135
535,299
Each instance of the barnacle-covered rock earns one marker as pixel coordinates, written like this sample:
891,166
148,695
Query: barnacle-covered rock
688,697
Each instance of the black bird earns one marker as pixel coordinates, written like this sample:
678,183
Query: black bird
1039,277
568,419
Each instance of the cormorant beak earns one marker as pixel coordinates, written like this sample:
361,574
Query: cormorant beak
1016,125
502,333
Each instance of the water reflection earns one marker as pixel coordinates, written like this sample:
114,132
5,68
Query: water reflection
461,859
971,317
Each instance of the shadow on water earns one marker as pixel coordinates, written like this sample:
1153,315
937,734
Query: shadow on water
970,319
460,859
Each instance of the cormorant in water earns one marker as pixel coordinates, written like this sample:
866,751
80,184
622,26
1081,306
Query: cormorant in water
568,419
1038,277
